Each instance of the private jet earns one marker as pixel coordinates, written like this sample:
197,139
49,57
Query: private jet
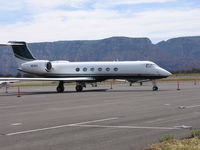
82,72
6,84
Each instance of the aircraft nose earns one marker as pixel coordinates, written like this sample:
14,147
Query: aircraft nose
165,72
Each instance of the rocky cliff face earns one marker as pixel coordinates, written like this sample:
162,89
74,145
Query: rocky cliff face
174,54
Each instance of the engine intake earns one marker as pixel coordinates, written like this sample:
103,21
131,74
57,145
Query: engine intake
48,66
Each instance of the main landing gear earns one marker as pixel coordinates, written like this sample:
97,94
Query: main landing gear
60,87
155,88
79,87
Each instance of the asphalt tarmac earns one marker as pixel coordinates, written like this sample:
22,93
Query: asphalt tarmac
99,118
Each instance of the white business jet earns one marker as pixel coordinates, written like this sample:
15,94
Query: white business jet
82,72
6,84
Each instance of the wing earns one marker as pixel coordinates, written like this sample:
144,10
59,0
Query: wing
51,79
134,80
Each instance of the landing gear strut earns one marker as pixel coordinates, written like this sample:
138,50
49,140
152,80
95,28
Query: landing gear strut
155,88
60,87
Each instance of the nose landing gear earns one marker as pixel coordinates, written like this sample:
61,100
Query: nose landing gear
155,87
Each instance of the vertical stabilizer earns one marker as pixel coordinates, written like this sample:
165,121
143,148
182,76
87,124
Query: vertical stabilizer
21,52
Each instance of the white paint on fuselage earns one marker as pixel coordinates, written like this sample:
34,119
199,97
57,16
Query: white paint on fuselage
122,68
126,68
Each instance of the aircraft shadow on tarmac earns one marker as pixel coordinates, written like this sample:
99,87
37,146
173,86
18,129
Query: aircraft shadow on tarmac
84,91
49,92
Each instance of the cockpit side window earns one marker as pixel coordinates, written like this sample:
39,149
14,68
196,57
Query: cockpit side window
149,65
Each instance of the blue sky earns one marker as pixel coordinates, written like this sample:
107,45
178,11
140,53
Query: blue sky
54,20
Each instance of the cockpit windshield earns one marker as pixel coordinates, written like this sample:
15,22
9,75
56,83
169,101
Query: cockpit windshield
150,65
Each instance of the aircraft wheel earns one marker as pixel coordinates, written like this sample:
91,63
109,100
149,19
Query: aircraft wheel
60,89
79,88
155,88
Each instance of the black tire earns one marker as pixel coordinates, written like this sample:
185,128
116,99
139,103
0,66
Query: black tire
155,88
79,88
60,89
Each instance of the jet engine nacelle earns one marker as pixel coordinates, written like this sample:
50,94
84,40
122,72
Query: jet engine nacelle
48,66
37,66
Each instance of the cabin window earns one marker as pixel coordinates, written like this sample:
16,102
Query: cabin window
99,69
107,69
92,69
84,69
77,69
115,69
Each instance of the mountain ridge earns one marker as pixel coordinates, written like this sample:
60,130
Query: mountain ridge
181,53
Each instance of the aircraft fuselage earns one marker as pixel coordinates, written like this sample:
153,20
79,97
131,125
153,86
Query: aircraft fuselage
98,70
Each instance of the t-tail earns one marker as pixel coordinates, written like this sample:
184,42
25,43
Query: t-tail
21,52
